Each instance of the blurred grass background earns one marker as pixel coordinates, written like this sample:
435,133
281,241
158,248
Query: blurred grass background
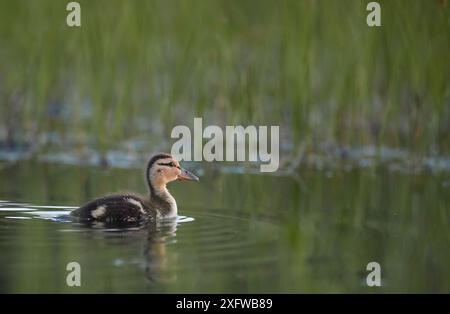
135,69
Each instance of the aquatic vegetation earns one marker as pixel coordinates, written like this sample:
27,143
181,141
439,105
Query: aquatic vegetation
135,69
365,113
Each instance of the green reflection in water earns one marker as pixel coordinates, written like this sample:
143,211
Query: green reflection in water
250,233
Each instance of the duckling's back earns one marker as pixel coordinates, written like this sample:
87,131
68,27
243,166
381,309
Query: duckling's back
114,208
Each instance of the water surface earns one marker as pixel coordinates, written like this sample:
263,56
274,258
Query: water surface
315,232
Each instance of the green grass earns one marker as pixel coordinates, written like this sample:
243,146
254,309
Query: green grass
137,68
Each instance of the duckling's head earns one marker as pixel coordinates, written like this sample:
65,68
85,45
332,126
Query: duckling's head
163,168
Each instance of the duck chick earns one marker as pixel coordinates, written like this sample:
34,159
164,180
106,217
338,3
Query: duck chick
161,170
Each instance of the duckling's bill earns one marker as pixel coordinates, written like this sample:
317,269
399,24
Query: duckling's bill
187,175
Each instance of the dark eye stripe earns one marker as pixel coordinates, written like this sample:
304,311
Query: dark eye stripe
169,164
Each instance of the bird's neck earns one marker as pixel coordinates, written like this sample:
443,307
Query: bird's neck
163,202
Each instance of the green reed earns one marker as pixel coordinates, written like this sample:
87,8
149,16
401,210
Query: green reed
136,68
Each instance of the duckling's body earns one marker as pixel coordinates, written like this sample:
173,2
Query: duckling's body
112,208
128,207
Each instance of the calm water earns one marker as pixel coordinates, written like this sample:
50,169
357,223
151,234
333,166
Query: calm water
237,233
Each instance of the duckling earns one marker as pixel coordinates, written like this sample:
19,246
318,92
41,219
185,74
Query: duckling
161,169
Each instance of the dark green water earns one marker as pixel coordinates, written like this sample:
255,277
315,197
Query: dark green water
237,233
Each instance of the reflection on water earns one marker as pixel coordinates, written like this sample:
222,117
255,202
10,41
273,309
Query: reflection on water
156,234
238,233
130,252
155,253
